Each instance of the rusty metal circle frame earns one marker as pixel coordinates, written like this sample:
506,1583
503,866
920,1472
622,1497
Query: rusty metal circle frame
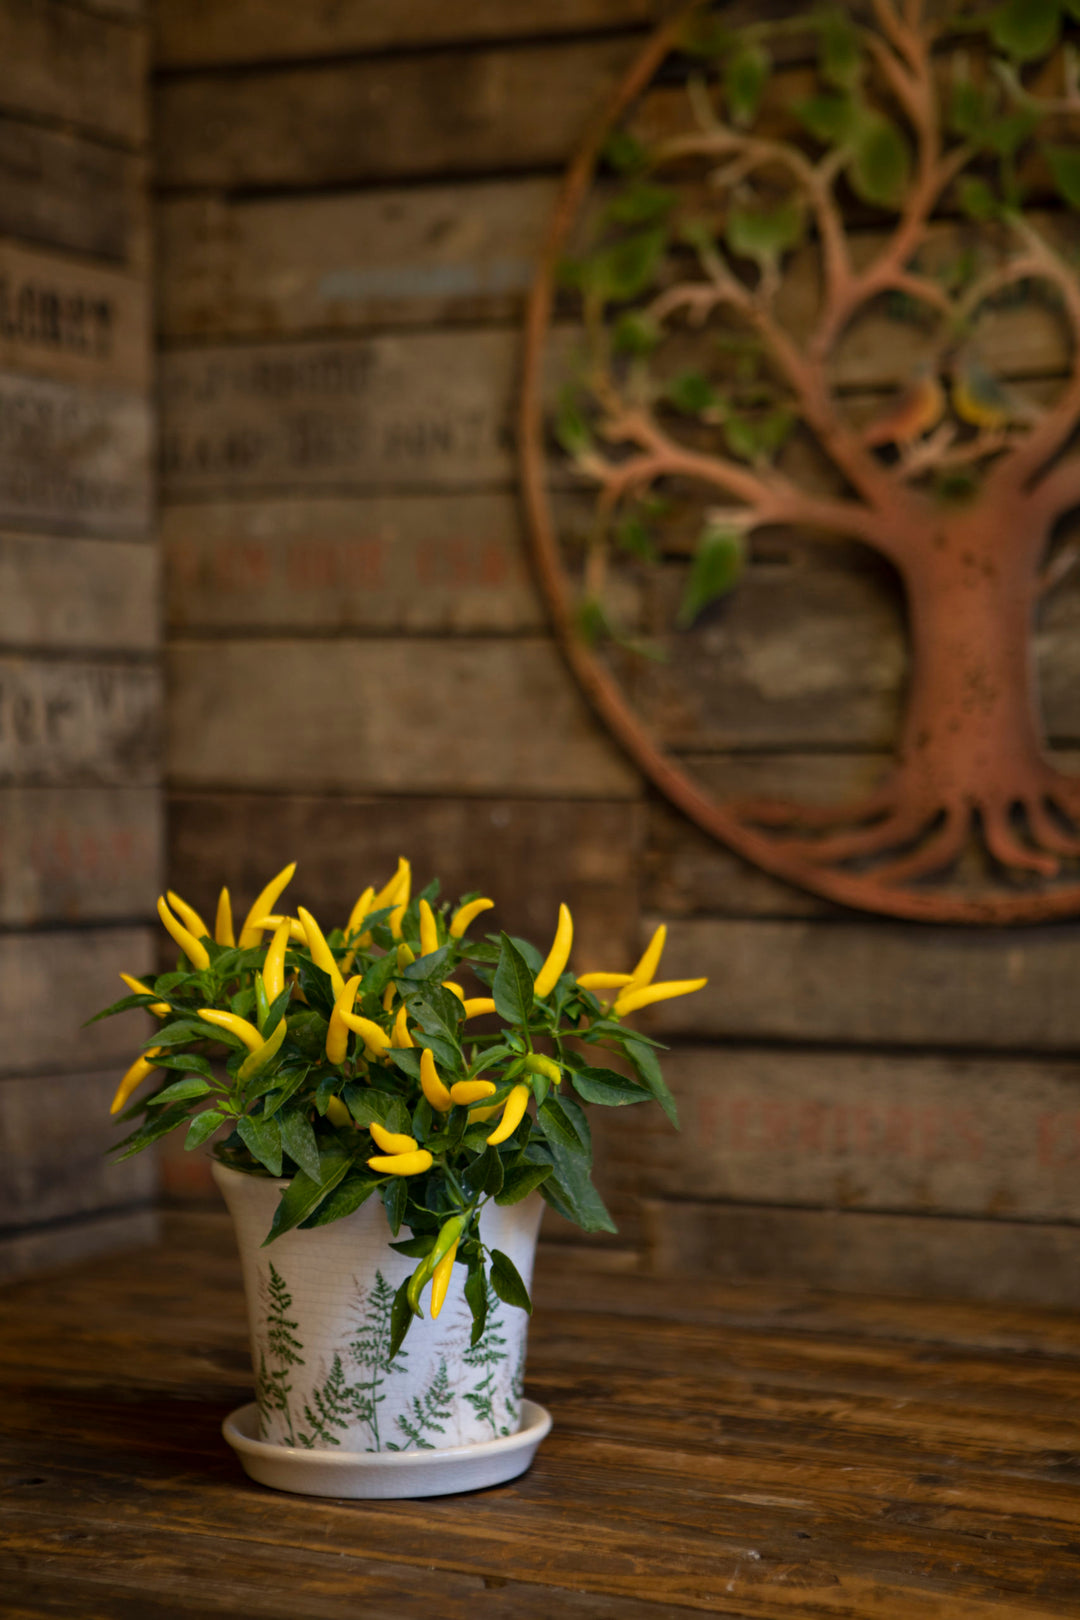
858,891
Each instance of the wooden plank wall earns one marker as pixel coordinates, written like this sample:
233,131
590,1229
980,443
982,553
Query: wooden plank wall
351,204
80,821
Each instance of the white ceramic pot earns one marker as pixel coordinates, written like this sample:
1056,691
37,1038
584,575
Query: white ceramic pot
319,1313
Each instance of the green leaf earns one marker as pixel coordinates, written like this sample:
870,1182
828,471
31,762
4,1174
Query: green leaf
512,987
1005,136
635,333
521,1181
347,1196
366,1104
969,109
160,1125
415,1248
507,1283
186,1029
881,161
476,1297
186,1062
746,73
624,270
647,1067
529,954
298,1140
181,1091
558,1128
400,1320
571,1194
307,1032
977,199
487,1173
691,393
608,1087
633,537
395,1195
764,234
831,119
839,53
262,1138
203,1126
641,204
717,567
304,1194
1026,29
623,152
571,429
1064,164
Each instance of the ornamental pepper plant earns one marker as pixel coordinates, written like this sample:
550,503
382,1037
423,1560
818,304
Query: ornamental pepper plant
344,1063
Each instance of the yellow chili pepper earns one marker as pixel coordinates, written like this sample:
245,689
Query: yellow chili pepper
223,924
337,1113
463,1092
513,1114
631,1000
645,972
464,915
188,915
388,998
391,1141
321,954
402,879
558,956
537,1063
477,1116
402,1164
401,1028
135,1076
360,911
273,970
274,919
477,1006
604,981
431,1085
337,1033
195,951
440,1279
256,1061
252,931
235,1025
405,955
160,1009
429,930
395,917
376,1040
454,989
352,927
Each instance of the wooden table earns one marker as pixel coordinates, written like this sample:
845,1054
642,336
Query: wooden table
716,1450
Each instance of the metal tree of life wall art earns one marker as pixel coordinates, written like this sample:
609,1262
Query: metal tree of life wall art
812,293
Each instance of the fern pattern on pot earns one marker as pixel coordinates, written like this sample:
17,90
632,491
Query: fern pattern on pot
486,1356
282,1353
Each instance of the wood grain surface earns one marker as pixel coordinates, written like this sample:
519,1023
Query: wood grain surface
79,854
750,1452
67,720
57,591
64,191
53,981
468,715
62,62
72,320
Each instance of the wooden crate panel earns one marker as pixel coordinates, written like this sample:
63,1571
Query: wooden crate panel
78,854
72,1242
62,62
286,266
206,33
73,720
526,855
414,564
77,322
53,982
919,1134
1021,1262
55,1132
74,458
66,192
86,595
876,982
388,715
431,409
390,117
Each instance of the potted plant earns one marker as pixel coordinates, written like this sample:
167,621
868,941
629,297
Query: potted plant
385,1136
